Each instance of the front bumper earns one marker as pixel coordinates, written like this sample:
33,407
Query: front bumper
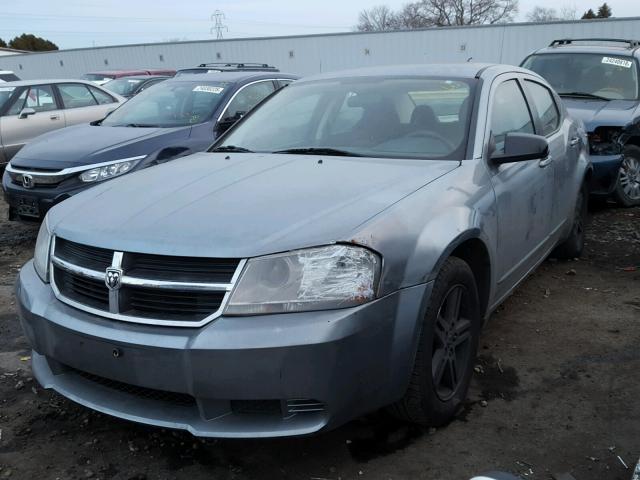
245,376
41,199
605,173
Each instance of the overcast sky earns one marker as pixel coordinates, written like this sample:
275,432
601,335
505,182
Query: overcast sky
84,23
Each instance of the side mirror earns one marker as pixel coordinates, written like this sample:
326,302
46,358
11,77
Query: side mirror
520,147
27,112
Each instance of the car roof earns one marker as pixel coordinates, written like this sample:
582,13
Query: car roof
24,83
140,77
134,71
452,70
619,47
230,76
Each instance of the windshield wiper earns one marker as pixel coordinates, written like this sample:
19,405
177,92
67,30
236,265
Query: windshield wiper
231,148
319,151
138,125
583,95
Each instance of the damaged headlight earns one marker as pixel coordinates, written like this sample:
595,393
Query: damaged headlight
111,170
606,141
336,276
41,254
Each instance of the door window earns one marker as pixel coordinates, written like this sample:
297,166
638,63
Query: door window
101,97
510,113
75,95
247,98
545,106
41,99
18,103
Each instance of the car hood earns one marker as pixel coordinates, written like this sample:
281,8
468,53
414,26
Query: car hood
89,144
239,205
596,113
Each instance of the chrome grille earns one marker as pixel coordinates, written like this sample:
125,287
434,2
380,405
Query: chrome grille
153,289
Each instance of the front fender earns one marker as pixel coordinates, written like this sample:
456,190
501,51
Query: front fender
417,234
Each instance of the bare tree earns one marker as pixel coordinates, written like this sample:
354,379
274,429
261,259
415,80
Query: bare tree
439,13
413,16
377,18
469,12
569,12
541,14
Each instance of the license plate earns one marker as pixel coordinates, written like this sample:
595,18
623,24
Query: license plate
28,207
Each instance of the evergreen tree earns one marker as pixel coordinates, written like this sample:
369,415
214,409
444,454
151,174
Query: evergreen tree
589,14
604,11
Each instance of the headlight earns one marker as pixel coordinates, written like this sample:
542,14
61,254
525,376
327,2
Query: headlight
41,254
337,276
112,170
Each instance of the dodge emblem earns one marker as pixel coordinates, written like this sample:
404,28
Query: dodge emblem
113,277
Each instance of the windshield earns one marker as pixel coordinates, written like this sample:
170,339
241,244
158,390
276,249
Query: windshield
373,117
5,94
94,77
123,86
606,76
170,104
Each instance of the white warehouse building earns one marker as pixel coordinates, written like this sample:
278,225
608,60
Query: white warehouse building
308,54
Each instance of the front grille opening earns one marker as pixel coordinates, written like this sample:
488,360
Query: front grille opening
256,407
181,269
94,258
188,305
173,398
87,291
304,405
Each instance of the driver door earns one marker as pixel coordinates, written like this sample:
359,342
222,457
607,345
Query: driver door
524,190
18,129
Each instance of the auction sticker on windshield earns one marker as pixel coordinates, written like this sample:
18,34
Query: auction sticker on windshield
619,62
208,89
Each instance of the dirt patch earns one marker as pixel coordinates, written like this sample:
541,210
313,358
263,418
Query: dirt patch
556,392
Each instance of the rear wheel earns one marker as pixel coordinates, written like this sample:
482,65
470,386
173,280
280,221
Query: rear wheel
446,349
573,246
627,191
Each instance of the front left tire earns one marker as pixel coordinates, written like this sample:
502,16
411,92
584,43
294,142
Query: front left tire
446,350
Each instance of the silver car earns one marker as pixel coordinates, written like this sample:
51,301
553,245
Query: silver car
29,108
337,251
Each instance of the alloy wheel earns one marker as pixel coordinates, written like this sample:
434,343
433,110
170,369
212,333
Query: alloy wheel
451,343
630,177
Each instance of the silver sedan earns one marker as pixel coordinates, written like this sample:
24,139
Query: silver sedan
337,251
29,108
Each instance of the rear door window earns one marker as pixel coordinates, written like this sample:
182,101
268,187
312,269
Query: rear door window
76,95
101,97
545,106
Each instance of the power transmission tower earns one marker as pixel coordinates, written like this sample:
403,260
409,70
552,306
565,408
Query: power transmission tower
219,27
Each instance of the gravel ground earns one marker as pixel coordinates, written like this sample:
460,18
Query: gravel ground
555,390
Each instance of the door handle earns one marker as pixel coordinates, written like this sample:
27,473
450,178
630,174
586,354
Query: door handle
545,162
54,117
574,141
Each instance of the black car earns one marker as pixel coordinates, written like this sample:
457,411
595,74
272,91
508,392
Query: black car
175,118
598,80
133,85
228,67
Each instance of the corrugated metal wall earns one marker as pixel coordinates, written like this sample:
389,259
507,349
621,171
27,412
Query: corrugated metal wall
311,54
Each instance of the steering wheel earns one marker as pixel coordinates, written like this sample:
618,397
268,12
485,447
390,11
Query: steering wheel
430,134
